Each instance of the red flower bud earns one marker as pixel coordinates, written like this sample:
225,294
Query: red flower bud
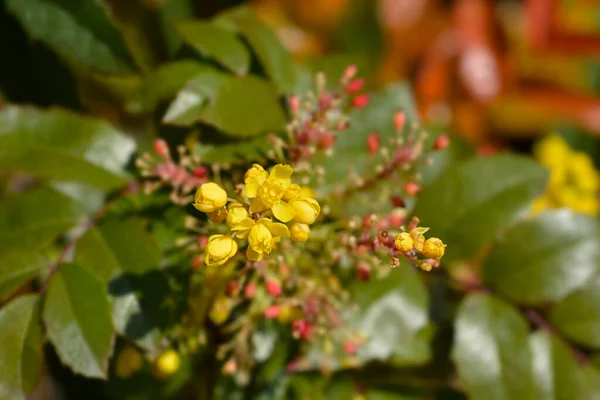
273,311
441,142
350,348
397,201
325,101
200,172
411,189
355,86
161,148
360,101
197,262
292,366
363,272
486,150
302,329
396,220
273,287
294,103
326,141
202,242
232,288
373,142
250,290
399,120
349,72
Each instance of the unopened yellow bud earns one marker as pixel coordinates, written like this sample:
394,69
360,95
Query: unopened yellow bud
289,314
260,239
292,192
219,250
299,233
306,209
236,213
418,238
404,242
221,309
167,364
433,248
210,197
218,216
128,362
425,266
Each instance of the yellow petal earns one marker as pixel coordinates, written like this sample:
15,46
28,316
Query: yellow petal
281,172
258,206
283,211
253,255
251,188
276,228
243,225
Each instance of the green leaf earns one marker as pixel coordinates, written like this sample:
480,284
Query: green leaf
545,258
216,42
395,318
186,108
239,152
578,315
473,200
121,253
17,268
244,106
276,60
164,83
64,146
79,31
592,383
78,323
556,373
491,350
21,354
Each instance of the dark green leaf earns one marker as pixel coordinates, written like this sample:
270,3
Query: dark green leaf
186,108
395,318
79,31
77,316
556,373
20,348
216,42
239,152
491,350
276,60
578,315
17,268
469,203
121,253
64,146
244,106
545,258
169,14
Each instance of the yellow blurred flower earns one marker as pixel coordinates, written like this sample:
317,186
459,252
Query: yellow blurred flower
167,364
552,151
261,235
210,197
219,250
434,248
404,242
299,233
129,361
306,210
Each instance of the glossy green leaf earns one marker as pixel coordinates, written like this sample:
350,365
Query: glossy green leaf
78,30
545,258
216,42
245,106
491,350
121,253
578,315
240,152
186,108
275,59
78,322
21,354
556,373
395,318
473,200
64,146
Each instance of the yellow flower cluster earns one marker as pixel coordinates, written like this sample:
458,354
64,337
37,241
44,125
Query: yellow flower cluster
270,195
432,248
574,182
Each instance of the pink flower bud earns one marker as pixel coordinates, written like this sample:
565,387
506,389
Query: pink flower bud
360,101
230,367
197,262
349,72
396,220
399,120
325,101
441,142
250,290
161,148
200,172
302,329
232,288
350,348
273,312
355,86
326,141
202,242
373,142
292,366
411,189
273,287
363,272
294,103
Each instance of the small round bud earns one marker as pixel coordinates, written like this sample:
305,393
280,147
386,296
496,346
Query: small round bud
229,367
434,248
350,72
412,189
161,148
302,329
350,348
397,201
360,101
197,262
441,142
273,287
167,364
232,288
299,233
399,120
273,311
294,104
129,361
202,242
382,236
404,242
373,142
355,86
326,141
363,272
200,172
250,290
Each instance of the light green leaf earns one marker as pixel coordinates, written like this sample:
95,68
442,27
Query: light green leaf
491,350
244,106
64,146
79,31
591,377
275,59
473,200
578,315
78,323
545,258
17,268
239,152
21,354
186,108
121,253
216,42
556,373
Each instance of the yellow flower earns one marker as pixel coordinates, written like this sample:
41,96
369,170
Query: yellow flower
218,216
221,309
292,192
167,363
585,176
305,191
129,361
418,238
267,192
210,197
236,214
253,178
219,250
552,151
404,242
289,314
299,233
540,204
261,235
434,248
306,210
